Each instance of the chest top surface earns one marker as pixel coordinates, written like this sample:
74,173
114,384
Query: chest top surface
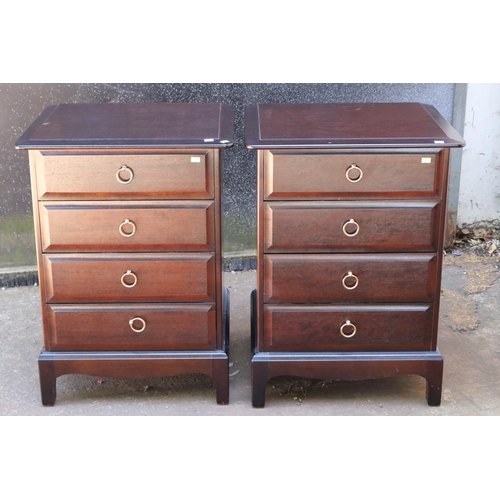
346,125
119,125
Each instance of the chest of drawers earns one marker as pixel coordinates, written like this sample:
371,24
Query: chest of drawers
351,214
126,201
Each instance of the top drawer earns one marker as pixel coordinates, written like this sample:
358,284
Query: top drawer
85,176
306,175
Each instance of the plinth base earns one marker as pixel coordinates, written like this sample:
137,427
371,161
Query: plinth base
342,366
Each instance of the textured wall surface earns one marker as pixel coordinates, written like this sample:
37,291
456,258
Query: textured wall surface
479,195
21,103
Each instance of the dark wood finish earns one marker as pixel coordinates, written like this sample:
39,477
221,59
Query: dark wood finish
347,366
397,202
315,175
173,317
384,226
95,226
347,125
173,277
167,327
134,365
135,125
341,365
92,175
392,327
325,278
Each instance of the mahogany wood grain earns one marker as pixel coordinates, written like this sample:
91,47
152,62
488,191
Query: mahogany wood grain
325,278
135,365
312,175
384,226
91,175
222,293
384,327
347,125
340,365
172,277
125,125
95,226
397,204
151,169
348,366
106,327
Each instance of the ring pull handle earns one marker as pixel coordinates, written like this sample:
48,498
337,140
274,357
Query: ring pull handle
134,277
354,173
349,325
127,222
348,277
124,179
139,320
352,233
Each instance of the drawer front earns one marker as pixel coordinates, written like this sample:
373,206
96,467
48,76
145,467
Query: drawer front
377,327
108,327
378,226
96,278
349,278
127,226
115,176
300,176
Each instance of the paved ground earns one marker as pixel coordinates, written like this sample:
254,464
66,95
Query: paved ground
469,340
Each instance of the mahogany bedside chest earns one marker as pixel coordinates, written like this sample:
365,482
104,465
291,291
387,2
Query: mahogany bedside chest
351,218
126,202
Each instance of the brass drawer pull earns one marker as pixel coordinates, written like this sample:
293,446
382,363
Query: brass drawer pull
125,223
128,171
347,324
354,173
140,320
350,234
134,277
346,277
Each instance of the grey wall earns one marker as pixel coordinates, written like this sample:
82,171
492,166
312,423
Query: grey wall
21,103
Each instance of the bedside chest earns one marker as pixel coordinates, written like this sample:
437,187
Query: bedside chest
126,202
351,218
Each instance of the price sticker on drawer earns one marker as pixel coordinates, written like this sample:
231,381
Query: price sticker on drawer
195,159
426,159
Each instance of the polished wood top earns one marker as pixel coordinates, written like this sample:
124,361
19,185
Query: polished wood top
345,125
122,125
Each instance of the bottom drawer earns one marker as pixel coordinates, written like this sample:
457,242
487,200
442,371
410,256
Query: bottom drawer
394,327
166,327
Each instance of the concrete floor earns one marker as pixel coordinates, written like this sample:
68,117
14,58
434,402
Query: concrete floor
469,340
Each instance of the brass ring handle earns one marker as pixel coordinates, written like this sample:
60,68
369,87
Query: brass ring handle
124,223
344,228
137,330
347,336
353,168
350,275
134,276
129,171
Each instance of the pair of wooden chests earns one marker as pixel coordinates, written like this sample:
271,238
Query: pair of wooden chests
351,211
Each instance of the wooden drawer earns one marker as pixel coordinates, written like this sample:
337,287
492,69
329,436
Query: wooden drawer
153,226
382,226
117,176
177,277
350,278
404,327
107,327
312,175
